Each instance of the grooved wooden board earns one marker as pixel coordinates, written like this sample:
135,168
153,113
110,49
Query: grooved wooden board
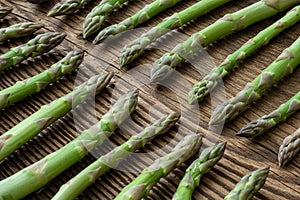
241,155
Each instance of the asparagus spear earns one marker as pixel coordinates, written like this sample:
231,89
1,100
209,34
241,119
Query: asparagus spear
249,185
289,148
230,23
35,84
148,12
47,114
40,44
18,30
135,48
209,82
96,17
40,173
67,7
4,11
280,68
206,161
263,124
140,186
85,178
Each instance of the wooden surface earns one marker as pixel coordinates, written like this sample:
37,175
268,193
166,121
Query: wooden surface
241,155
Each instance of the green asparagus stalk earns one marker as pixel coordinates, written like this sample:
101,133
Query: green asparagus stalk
67,7
230,23
96,17
263,124
249,185
148,12
88,176
141,186
47,114
135,48
40,173
39,45
206,161
280,68
4,11
289,148
18,30
35,84
209,82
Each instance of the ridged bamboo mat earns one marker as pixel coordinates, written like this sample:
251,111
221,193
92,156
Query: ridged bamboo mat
241,155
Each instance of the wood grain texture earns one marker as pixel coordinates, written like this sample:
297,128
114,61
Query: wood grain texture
241,156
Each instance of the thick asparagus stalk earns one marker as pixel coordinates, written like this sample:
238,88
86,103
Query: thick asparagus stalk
4,11
263,124
230,23
40,44
35,84
206,161
289,148
96,17
280,68
148,12
18,30
140,186
209,82
47,114
135,48
67,7
249,185
85,178
40,173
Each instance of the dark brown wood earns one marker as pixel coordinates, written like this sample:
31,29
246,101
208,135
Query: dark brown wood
241,156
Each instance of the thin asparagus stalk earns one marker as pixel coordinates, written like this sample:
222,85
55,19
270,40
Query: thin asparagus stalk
96,17
35,84
47,114
230,23
289,148
209,82
40,173
4,11
249,185
67,7
206,161
141,185
39,45
88,176
280,68
135,48
263,124
18,30
148,12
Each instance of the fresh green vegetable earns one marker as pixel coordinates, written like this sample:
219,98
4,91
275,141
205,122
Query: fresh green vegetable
140,186
67,7
35,84
39,45
230,23
280,68
135,48
148,12
85,178
209,82
40,173
289,148
47,114
206,161
96,17
263,124
18,30
249,185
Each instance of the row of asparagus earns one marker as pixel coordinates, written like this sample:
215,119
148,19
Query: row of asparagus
40,173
